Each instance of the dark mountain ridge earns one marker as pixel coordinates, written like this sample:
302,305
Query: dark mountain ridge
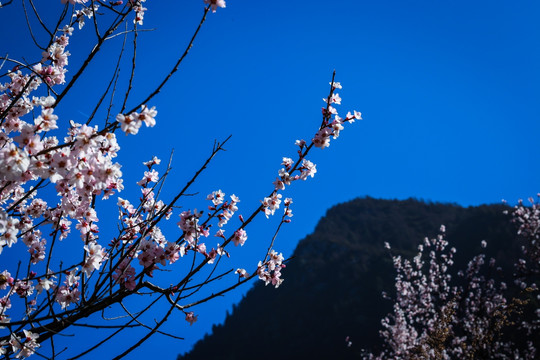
332,288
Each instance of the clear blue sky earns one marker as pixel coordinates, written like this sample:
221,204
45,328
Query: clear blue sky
449,92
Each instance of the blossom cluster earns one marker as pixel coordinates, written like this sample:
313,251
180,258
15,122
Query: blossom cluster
433,319
527,268
131,123
25,345
332,127
57,56
69,293
270,271
528,220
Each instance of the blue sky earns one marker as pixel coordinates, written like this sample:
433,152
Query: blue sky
449,93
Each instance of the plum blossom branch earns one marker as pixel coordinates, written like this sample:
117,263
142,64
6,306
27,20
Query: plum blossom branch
51,190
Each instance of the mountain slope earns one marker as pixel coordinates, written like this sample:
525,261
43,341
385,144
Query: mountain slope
333,285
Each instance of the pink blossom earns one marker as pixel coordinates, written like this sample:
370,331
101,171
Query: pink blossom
240,237
154,161
215,3
270,204
308,169
148,115
287,162
45,284
25,346
95,256
65,296
149,176
191,317
300,143
322,138
242,273
217,197
5,279
128,123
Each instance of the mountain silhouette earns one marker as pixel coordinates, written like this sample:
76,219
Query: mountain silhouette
333,284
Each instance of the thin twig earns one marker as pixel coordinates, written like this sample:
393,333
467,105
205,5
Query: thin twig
39,19
30,27
133,63
175,67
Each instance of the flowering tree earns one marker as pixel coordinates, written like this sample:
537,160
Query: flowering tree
477,317
50,189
